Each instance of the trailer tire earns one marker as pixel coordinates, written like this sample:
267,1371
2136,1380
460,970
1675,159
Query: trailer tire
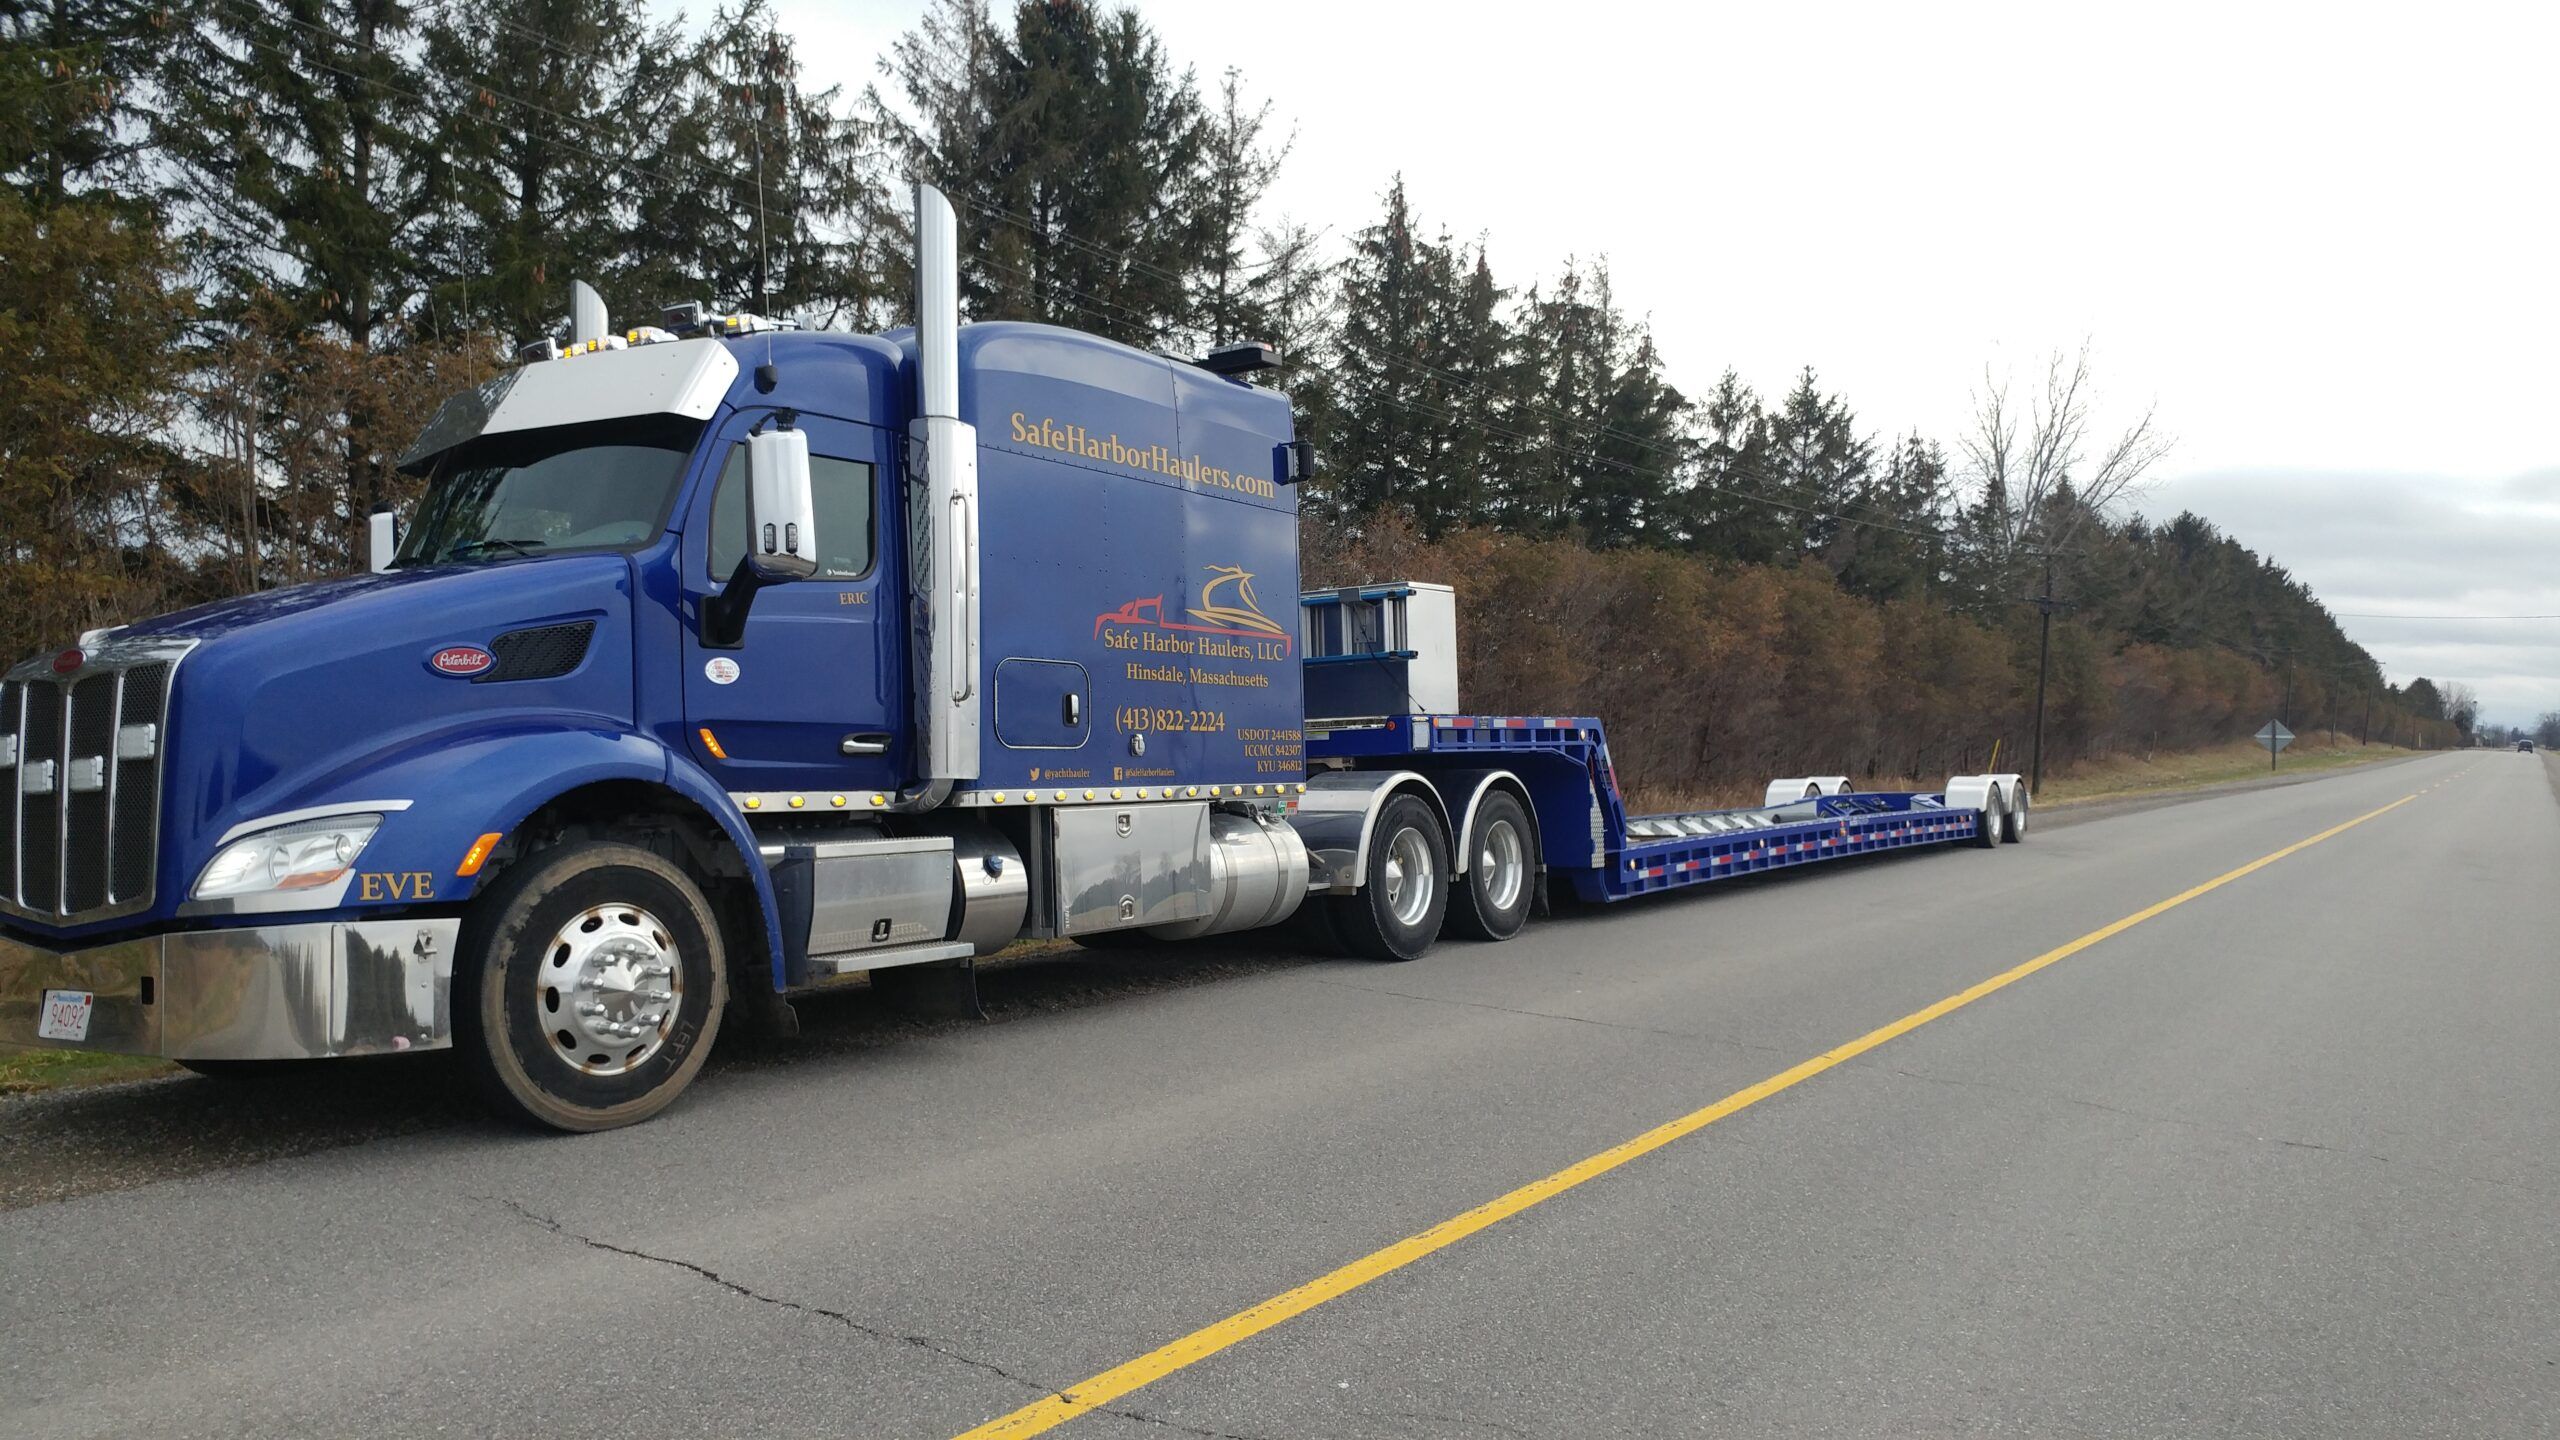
1494,895
1396,913
2013,826
1986,822
601,919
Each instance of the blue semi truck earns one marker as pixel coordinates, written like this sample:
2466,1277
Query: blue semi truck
721,663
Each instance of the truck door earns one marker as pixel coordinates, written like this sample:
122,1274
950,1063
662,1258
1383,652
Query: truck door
812,701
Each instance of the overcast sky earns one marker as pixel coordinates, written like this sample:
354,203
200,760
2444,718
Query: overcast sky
2320,239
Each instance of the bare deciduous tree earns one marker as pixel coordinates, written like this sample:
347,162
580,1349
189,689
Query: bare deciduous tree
2042,472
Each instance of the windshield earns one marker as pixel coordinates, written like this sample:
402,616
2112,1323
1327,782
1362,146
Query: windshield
605,486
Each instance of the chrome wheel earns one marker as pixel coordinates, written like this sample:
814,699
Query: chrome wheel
1411,883
610,986
1501,868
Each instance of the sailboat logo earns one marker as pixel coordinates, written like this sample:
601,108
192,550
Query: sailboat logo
1243,615
1227,606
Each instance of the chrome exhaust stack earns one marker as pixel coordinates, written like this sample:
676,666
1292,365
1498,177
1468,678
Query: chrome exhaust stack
942,512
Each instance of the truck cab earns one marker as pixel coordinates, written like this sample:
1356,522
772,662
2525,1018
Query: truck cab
719,659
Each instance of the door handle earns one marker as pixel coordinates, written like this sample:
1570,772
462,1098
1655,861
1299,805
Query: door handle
868,742
1072,711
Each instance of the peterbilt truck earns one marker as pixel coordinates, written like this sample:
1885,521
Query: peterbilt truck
722,662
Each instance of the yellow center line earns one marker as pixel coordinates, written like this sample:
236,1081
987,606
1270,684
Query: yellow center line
1051,1411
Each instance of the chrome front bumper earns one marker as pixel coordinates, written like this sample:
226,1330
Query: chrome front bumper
269,992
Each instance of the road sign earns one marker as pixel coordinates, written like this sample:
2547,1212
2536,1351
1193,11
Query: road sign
2275,737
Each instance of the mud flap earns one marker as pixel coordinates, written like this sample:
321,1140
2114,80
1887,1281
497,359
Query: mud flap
753,999
932,992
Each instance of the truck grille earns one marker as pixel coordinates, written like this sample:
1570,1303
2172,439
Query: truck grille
80,759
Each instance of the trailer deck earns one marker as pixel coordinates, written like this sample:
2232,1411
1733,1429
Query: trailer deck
1564,763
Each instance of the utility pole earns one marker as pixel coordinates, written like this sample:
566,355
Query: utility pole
2045,605
2364,736
2283,703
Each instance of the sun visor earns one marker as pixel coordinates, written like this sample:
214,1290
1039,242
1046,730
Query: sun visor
687,378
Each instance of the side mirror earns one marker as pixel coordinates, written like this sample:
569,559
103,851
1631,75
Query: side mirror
782,511
382,538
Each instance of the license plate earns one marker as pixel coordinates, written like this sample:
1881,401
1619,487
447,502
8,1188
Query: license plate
66,1015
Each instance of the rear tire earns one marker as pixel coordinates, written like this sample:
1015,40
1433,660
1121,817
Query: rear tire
1494,895
2013,827
1396,913
589,985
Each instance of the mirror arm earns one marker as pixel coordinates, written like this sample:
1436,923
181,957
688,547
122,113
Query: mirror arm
724,616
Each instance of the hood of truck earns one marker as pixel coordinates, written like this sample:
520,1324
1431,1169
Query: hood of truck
295,698
288,692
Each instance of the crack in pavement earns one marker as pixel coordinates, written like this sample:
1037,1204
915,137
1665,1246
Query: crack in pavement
925,1343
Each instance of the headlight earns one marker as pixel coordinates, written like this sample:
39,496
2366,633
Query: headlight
301,856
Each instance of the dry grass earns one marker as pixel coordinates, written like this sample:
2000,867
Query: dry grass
2119,776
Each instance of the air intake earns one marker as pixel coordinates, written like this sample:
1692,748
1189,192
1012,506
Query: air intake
539,653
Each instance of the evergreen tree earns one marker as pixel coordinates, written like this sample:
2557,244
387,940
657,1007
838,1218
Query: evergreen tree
1078,150
1891,543
1233,297
764,196
1818,464
92,313
294,150
547,149
72,75
1479,356
1727,514
1389,424
292,136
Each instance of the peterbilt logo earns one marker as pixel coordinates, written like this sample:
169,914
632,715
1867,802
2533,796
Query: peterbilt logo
461,660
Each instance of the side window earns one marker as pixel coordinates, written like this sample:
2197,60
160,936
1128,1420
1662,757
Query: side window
843,492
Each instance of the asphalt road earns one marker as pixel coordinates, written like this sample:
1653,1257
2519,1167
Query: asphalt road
2278,1160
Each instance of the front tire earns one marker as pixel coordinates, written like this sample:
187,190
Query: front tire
1493,897
589,985
1396,913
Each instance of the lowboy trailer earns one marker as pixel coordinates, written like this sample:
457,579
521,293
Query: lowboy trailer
722,664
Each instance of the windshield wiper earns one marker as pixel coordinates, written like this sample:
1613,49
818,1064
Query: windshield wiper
462,548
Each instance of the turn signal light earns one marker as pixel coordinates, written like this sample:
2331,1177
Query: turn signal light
477,855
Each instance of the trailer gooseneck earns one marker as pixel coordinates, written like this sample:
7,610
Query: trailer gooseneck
722,663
